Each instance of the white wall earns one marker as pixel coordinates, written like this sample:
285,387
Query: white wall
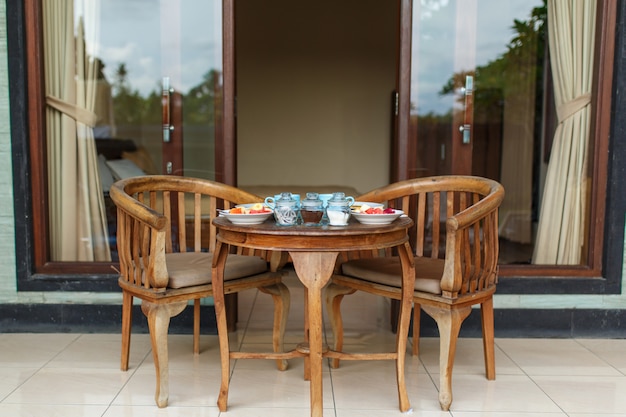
314,85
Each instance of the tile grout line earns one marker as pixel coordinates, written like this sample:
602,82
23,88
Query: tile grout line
39,369
530,378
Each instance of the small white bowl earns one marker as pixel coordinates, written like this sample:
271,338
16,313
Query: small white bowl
377,218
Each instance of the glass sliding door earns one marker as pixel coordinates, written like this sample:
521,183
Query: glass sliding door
139,84
477,102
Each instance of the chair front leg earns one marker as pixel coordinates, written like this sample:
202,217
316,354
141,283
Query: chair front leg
158,323
449,323
282,300
334,296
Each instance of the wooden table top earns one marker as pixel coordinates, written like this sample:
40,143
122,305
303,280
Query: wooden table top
355,236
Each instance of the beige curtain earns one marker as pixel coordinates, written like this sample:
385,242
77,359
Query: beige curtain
561,231
78,229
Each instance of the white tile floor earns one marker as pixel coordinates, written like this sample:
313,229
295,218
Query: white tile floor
68,375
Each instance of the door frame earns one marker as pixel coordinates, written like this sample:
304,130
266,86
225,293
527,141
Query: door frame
226,143
402,163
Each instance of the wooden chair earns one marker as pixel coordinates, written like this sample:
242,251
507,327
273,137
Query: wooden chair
455,239
165,241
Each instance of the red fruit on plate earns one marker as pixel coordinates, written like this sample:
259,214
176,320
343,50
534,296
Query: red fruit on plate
388,210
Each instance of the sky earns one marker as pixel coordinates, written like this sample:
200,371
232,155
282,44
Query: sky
131,34
149,38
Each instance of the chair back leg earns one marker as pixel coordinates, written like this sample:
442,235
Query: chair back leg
486,312
334,294
127,320
417,314
282,299
196,326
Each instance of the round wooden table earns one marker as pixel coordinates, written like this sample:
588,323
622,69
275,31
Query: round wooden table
314,251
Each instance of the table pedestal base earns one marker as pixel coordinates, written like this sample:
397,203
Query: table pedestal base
314,253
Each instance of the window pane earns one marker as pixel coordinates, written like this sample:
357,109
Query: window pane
148,80
479,73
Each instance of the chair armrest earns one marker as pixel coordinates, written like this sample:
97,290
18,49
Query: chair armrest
141,237
476,211
471,254
136,209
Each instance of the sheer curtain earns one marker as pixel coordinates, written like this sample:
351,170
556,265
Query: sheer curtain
561,232
78,229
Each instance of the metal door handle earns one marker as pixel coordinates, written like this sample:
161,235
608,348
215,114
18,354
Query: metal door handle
166,95
466,127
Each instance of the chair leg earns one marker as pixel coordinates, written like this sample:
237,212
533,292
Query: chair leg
417,312
486,312
449,324
196,326
282,300
334,295
127,320
158,323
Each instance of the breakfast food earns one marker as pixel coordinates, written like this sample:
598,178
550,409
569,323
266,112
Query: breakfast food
365,209
256,208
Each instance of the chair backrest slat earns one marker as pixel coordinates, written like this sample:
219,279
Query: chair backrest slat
197,224
181,224
166,210
436,224
141,250
420,223
212,228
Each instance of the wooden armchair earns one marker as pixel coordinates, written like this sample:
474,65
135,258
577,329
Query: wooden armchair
455,239
166,241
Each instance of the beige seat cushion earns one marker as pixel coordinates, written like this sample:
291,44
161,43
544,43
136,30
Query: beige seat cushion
187,269
388,271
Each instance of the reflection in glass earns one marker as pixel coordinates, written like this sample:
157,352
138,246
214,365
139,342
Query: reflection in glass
129,46
500,44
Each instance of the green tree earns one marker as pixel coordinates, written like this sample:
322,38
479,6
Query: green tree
199,102
128,105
